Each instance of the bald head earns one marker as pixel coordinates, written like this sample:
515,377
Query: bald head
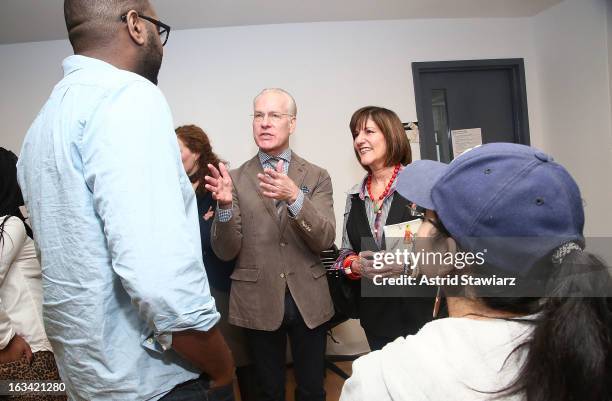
291,106
94,24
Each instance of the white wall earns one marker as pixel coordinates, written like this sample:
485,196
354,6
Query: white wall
211,75
609,29
573,76
28,73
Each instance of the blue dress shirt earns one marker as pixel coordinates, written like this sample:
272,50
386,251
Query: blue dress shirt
115,219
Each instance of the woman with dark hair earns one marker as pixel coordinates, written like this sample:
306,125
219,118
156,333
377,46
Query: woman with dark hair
25,351
530,314
382,148
196,154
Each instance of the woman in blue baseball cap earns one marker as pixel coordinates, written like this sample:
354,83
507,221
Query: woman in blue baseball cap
530,313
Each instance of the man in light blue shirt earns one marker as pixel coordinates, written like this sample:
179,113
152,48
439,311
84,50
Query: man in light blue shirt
127,305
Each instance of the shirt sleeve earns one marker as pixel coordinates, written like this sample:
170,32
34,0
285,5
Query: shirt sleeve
224,215
6,328
346,248
132,166
296,206
13,238
346,244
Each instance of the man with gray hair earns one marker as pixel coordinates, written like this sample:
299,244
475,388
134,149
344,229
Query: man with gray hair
127,305
275,214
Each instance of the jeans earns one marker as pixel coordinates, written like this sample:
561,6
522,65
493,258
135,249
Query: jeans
199,390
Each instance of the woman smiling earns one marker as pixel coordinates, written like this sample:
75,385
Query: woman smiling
382,148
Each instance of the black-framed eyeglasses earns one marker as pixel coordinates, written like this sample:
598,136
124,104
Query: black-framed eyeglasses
162,29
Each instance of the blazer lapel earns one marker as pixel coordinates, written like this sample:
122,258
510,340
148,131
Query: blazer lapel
253,169
297,172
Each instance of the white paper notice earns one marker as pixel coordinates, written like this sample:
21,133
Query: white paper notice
401,235
464,139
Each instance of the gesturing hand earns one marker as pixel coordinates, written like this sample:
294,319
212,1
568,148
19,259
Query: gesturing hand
16,349
210,213
276,185
220,185
366,266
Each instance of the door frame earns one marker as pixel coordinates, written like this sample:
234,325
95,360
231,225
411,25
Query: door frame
518,86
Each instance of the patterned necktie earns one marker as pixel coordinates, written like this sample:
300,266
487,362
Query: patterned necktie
277,203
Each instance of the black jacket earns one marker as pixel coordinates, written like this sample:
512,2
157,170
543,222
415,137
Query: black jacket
383,316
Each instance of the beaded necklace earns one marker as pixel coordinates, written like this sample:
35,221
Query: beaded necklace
378,202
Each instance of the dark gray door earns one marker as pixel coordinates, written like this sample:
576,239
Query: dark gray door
455,95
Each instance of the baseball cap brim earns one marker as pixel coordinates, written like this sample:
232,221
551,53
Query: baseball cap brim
416,181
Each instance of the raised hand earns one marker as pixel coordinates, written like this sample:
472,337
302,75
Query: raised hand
220,185
276,185
365,266
210,213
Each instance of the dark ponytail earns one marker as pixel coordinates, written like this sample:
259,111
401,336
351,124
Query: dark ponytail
569,356
10,193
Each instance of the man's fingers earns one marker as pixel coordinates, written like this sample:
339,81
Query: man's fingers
279,166
211,181
265,178
272,195
270,191
223,170
272,173
214,171
268,187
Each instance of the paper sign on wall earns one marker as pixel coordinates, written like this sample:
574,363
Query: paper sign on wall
464,139
413,136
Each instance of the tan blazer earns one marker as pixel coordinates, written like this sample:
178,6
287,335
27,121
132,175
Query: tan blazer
275,253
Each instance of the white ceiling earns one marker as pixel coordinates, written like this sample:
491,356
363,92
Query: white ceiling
39,20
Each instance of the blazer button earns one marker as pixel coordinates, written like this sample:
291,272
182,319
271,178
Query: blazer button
282,275
283,244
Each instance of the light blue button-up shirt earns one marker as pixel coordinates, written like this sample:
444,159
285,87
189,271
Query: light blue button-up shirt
115,219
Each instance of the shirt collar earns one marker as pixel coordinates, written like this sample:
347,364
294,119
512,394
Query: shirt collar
77,62
362,191
285,155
